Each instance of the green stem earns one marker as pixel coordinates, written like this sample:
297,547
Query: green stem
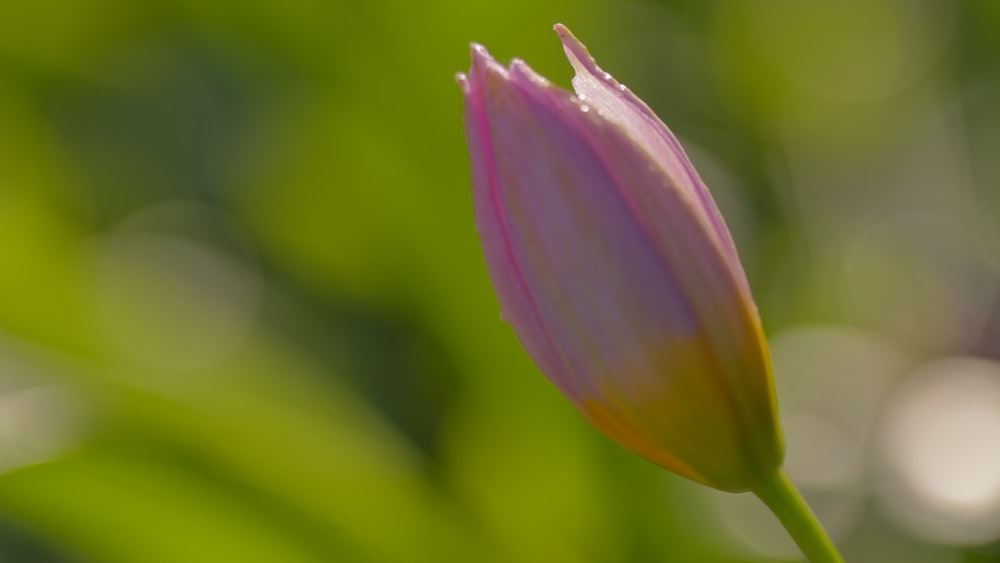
784,500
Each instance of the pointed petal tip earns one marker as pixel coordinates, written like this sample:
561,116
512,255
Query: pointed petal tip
483,62
523,74
566,36
577,53
480,56
463,82
520,71
478,51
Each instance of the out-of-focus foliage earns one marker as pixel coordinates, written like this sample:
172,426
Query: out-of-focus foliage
243,314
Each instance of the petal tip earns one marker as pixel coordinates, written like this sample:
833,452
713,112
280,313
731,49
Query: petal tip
520,71
478,51
463,82
576,52
483,62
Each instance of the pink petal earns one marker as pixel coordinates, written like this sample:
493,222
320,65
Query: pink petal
617,103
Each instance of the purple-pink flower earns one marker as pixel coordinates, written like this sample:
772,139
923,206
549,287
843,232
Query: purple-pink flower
613,265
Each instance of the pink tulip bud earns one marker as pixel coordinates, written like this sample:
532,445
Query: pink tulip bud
614,267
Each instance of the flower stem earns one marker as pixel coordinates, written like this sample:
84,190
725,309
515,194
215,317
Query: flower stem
784,500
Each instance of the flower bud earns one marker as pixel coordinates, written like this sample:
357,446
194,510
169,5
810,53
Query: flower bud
616,271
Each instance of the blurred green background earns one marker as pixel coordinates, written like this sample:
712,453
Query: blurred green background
244,315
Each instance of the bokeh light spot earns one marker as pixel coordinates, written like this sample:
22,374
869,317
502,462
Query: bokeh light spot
941,448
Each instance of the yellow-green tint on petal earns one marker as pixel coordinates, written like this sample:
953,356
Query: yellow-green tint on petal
685,422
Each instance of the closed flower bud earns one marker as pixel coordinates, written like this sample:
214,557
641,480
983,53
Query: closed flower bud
616,271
